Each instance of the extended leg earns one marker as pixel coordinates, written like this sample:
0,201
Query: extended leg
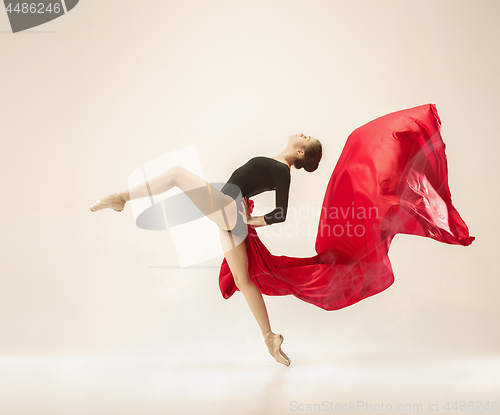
217,206
155,186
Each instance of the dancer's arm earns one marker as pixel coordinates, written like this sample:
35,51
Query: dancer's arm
256,221
282,182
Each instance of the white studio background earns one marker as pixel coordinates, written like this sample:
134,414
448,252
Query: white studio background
94,95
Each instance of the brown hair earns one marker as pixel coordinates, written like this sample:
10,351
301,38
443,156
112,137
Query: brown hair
312,157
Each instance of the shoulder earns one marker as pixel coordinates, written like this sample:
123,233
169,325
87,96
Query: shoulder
267,162
260,159
277,168
257,161
279,165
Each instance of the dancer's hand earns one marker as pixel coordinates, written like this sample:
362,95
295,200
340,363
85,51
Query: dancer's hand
246,214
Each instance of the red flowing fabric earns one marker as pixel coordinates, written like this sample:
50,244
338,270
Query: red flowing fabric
392,177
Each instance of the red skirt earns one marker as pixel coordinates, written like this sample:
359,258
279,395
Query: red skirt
392,177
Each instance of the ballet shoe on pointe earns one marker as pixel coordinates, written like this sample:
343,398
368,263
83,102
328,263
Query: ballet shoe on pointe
273,342
115,202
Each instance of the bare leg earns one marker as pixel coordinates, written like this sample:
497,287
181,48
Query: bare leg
155,186
217,206
238,263
237,260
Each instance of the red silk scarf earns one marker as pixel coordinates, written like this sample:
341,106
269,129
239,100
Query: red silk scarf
391,177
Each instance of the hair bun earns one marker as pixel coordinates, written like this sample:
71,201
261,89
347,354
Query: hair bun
310,167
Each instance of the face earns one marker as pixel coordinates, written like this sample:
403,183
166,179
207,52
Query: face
301,140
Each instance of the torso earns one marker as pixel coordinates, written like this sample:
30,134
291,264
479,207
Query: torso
258,175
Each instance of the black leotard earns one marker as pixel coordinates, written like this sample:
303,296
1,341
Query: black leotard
261,174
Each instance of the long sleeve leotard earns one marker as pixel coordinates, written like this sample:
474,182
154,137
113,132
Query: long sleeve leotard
261,174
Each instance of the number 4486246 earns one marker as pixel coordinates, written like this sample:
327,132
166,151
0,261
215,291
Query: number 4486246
34,8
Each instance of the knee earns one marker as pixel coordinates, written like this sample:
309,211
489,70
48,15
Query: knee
175,172
176,169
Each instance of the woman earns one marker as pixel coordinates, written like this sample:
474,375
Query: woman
259,174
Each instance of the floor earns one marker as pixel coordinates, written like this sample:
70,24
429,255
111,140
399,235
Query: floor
196,383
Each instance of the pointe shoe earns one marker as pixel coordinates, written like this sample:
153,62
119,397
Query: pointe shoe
115,202
273,343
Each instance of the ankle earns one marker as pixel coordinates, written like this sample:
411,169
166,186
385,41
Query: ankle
268,335
125,196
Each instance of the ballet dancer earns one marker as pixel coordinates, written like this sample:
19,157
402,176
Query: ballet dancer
259,174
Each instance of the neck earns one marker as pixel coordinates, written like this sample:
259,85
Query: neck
286,156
